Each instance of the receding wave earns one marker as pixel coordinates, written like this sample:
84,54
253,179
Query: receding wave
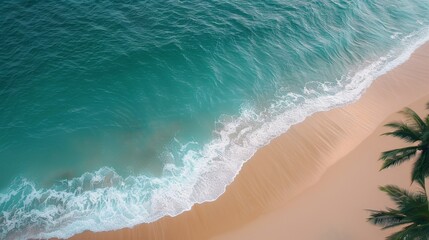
104,200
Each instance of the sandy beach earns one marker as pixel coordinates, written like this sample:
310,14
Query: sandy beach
313,182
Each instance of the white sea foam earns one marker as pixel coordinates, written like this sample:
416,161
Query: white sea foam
103,200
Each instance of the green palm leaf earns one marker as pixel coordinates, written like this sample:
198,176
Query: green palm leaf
404,132
397,194
403,198
411,212
418,123
387,219
412,233
421,168
427,121
397,156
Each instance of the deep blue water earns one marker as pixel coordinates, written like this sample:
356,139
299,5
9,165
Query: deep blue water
114,113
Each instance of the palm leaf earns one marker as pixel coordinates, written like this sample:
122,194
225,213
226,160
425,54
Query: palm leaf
403,198
427,121
397,156
425,137
397,194
411,211
418,122
411,232
421,168
403,131
386,219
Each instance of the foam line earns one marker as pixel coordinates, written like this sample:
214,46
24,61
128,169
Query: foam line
103,200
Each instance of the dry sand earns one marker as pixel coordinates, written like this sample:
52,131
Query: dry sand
334,208
314,181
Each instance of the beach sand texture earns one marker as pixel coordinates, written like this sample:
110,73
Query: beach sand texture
314,181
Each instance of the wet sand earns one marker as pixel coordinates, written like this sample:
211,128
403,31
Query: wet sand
314,181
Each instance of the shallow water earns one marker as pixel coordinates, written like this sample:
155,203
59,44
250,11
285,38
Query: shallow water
114,114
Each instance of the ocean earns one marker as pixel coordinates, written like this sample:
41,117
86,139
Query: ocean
116,113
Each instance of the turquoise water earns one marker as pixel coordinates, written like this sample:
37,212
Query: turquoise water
115,114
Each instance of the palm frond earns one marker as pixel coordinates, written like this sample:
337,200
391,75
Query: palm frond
421,168
412,232
415,118
427,120
403,131
386,219
396,193
402,197
425,134
411,212
397,156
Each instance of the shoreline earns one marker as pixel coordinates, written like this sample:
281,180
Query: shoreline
293,162
336,205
